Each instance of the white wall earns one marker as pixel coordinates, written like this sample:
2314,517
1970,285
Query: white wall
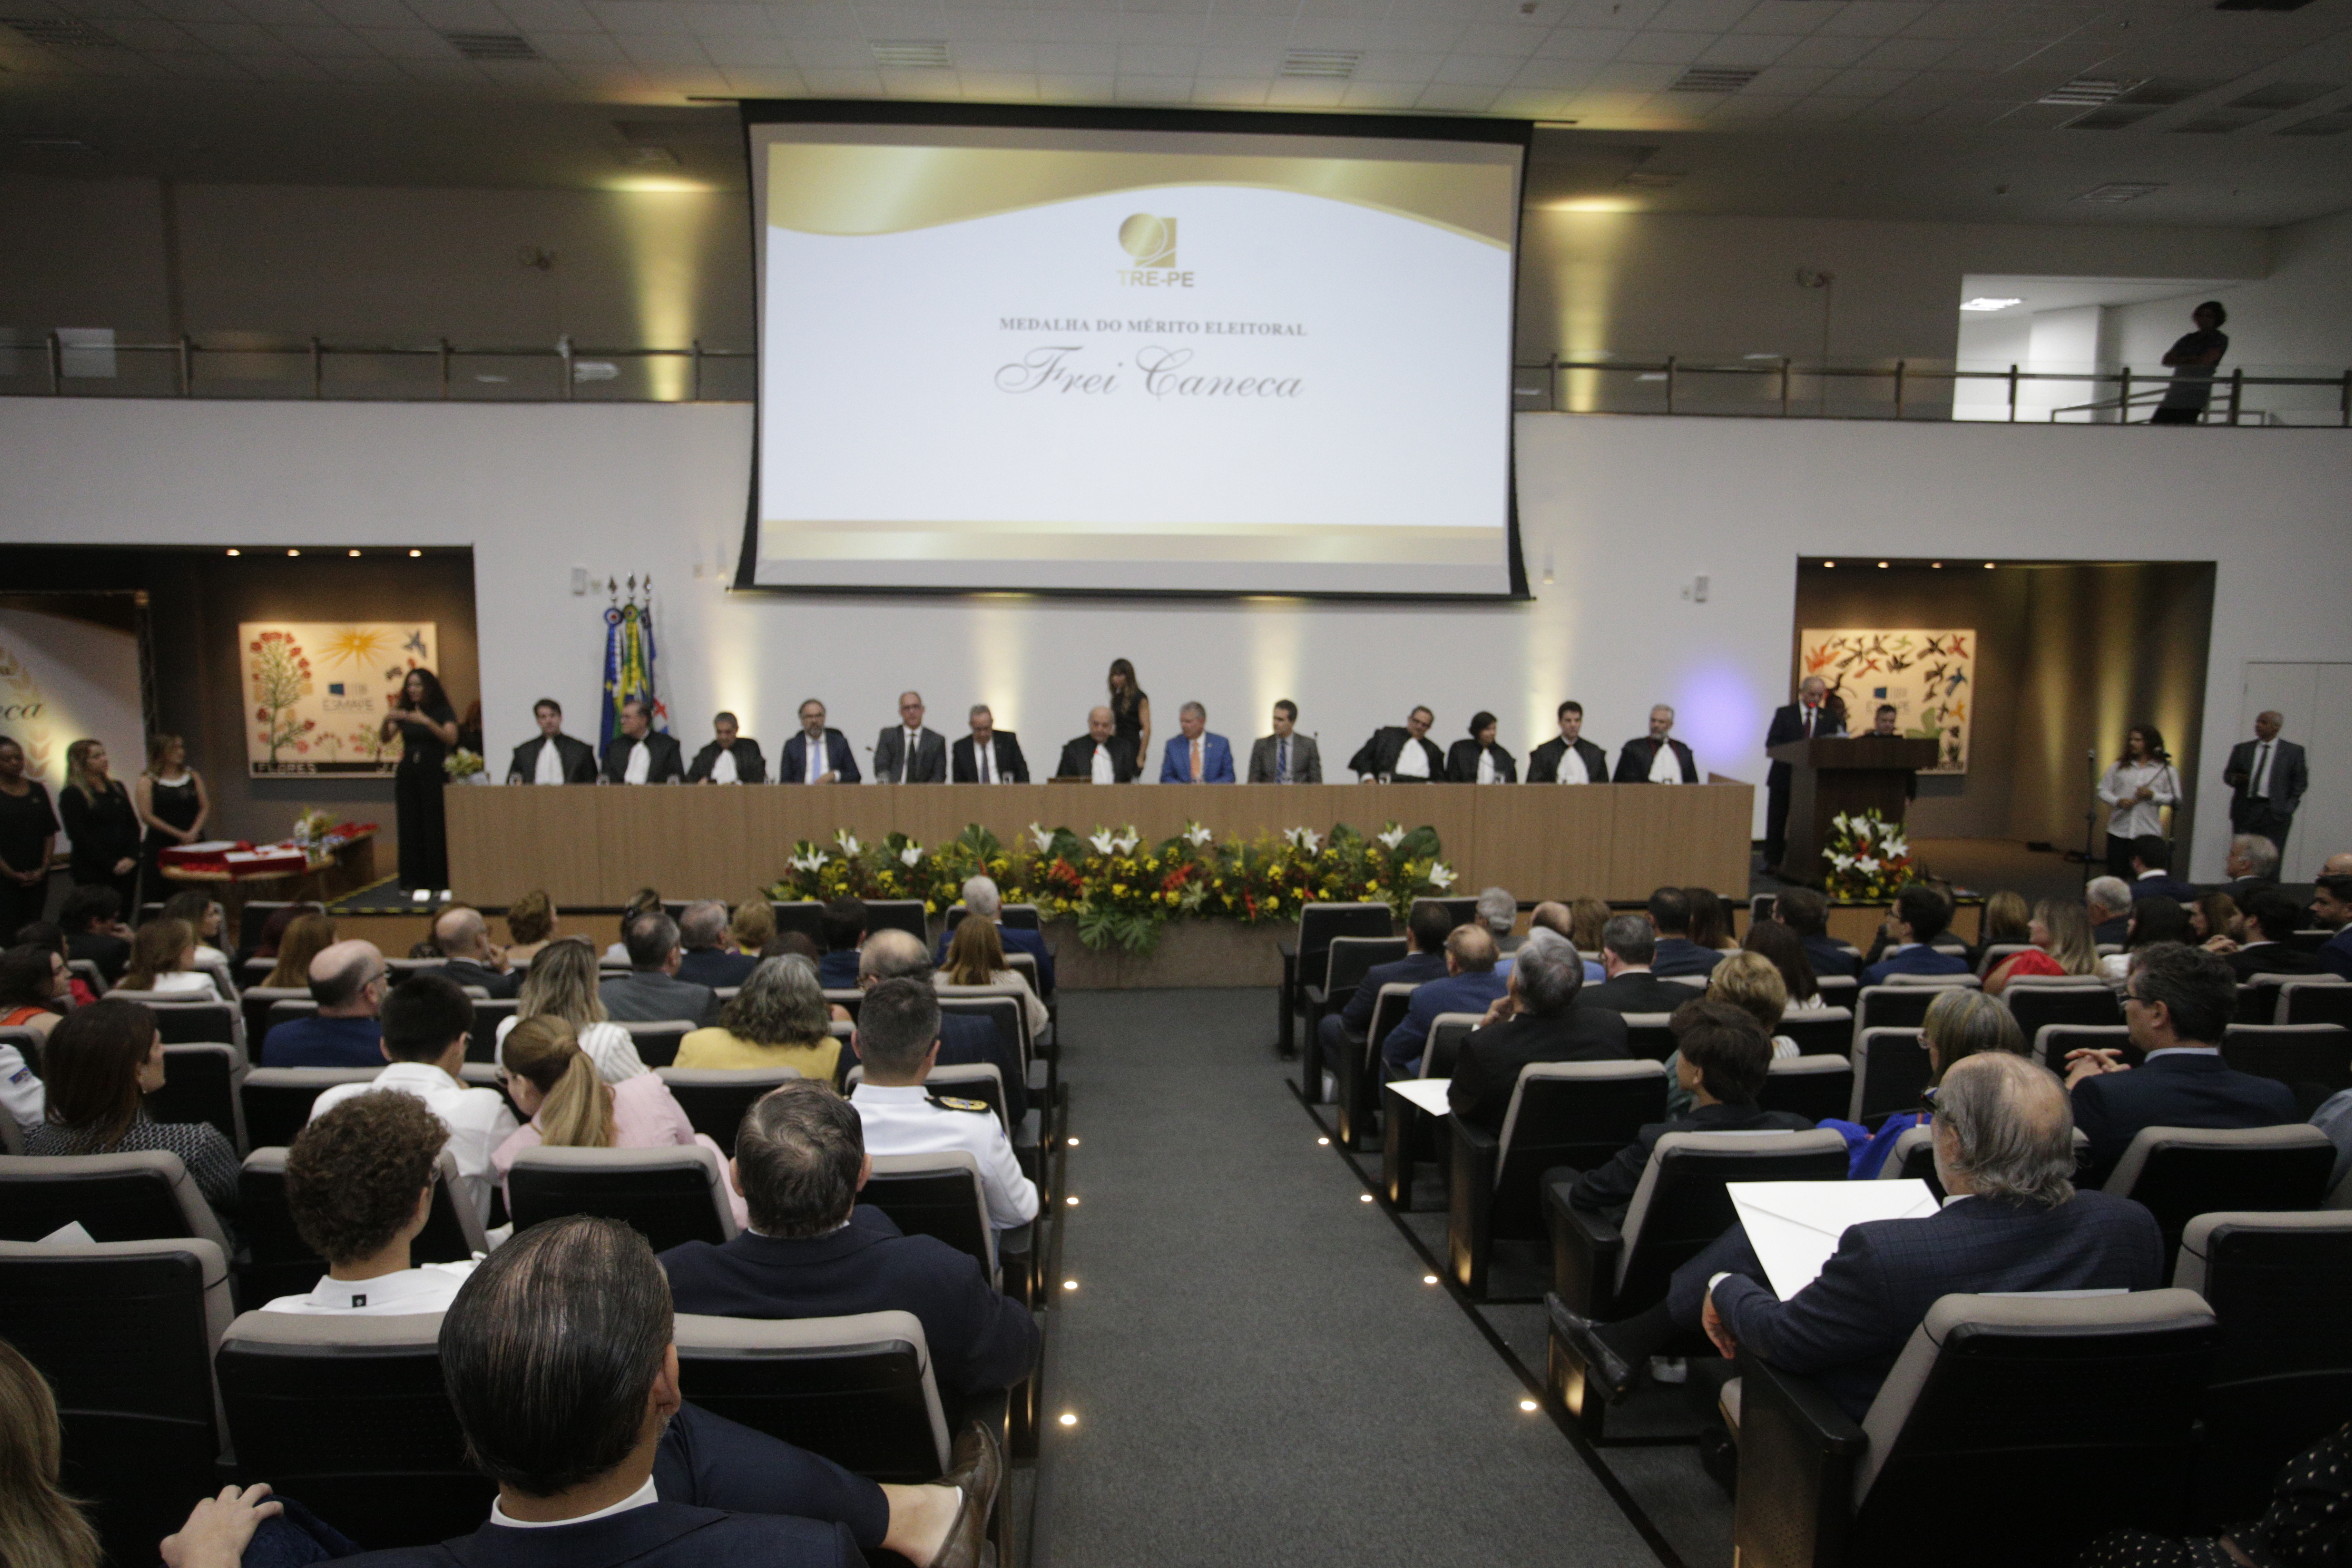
1631,509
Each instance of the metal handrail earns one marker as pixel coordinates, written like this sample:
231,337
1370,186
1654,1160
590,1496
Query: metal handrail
185,351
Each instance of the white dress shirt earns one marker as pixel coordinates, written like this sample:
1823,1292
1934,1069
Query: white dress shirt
1486,765
1667,767
429,1288
2258,783
2137,819
901,1120
907,740
644,1497
723,769
551,764
1104,772
983,758
641,763
477,1118
1412,763
1571,767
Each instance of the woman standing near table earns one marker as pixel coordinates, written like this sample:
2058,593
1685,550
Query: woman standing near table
29,837
101,822
1130,711
2136,789
427,727
170,799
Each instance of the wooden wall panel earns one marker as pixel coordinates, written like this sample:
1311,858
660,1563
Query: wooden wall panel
1687,834
506,840
1545,842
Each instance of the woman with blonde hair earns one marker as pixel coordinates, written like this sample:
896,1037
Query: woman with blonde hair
2005,918
170,799
976,957
1586,918
1960,1022
779,1019
563,985
2060,933
530,923
570,1106
304,938
1750,982
754,925
100,823
163,963
40,1526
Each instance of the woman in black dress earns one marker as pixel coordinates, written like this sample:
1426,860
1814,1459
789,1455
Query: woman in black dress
29,836
1463,758
1130,713
171,802
427,727
101,822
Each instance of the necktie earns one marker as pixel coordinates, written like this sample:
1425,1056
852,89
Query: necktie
1196,761
1282,768
2262,781
1809,721
987,760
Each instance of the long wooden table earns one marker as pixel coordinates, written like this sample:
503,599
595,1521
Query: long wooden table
591,845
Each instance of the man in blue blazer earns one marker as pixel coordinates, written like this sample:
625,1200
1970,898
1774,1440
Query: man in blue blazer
1195,756
812,1252
982,898
1807,914
2152,872
1670,912
1471,984
2331,905
2014,1221
1424,934
2176,1003
1921,916
830,748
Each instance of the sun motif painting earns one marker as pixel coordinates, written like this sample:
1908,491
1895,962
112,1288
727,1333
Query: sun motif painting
315,692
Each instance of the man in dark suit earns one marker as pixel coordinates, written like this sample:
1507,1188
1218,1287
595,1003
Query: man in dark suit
1193,754
2106,903
1628,943
1921,913
1670,912
814,1252
92,917
817,755
2331,906
732,756
1101,756
2272,920
1809,718
2152,872
565,1403
1286,756
1589,764
1806,912
2176,1003
2014,1221
652,992
463,938
574,761
1471,984
640,753
2251,867
988,755
1425,931
843,922
1403,755
965,1039
907,753
710,959
2266,777
983,900
1642,761
1539,1019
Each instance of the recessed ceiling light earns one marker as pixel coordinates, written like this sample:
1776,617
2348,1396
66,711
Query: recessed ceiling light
1987,565
1526,1405
925,55
1326,65
1071,1200
1071,1141
1363,1197
1830,564
1069,1284
2088,91
293,552
1937,564
354,554
413,553
1070,1418
1882,566
2116,191
236,552
1429,1279
1990,302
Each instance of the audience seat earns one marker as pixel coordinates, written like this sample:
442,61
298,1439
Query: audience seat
1935,981
849,999
2313,1059
1306,958
1359,1071
715,1099
482,1042
277,1101
1346,962
1813,1087
255,1003
2310,999
87,971
2052,1042
1606,1271
124,1331
1913,1159
2179,1173
348,1414
144,1196
858,1390
671,1195
253,917
939,1195
657,1039
1000,1006
2283,1377
2081,1001
1648,1036
1839,990
1577,1114
899,914
1995,954
200,1084
1890,1073
277,1261
805,916
1891,1007
194,1023
1828,1031
293,1005
1461,911
2013,1430
1407,1133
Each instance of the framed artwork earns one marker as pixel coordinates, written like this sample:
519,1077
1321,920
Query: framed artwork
316,693
1929,676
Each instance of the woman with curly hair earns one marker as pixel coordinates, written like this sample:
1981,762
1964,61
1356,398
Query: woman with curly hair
531,923
778,1020
563,985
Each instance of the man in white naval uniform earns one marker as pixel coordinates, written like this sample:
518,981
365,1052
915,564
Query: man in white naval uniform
897,1040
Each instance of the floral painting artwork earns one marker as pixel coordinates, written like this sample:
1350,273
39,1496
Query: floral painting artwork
1929,676
315,692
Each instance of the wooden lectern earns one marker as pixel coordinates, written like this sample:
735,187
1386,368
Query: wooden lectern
1843,773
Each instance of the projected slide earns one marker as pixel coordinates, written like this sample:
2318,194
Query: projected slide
1010,358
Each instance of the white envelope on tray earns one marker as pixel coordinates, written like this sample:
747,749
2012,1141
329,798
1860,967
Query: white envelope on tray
1795,1226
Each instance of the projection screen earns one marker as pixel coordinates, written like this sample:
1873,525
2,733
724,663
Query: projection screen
1133,353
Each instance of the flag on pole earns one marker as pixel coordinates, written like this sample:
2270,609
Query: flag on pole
628,667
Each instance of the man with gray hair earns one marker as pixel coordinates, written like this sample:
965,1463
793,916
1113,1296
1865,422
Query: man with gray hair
1656,757
983,901
1537,1020
1628,943
463,938
2252,867
2106,903
1812,717
814,1252
1193,754
2014,1221
988,755
710,958
1498,912
348,981
965,1039
652,992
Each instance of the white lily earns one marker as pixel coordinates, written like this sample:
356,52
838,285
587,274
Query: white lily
1307,838
1125,842
1102,840
809,863
1195,834
848,840
1441,875
1867,865
1895,848
910,855
1393,837
1842,862
1042,839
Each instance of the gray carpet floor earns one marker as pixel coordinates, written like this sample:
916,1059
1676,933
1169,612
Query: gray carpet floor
1258,1372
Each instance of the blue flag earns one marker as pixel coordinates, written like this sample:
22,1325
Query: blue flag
628,667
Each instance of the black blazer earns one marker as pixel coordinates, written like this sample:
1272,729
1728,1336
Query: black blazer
2289,778
466,972
1379,754
659,1535
1788,724
2191,1090
579,760
1638,991
1680,956
2169,885
1462,763
664,766
1633,762
1011,767
930,756
1543,762
2275,958
1079,758
1486,1071
104,831
750,767
980,1338
1609,1189
1829,956
715,966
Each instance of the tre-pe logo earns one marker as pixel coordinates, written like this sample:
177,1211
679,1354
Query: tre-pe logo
1151,241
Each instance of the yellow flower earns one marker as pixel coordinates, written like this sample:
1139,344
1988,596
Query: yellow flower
1272,901
1118,890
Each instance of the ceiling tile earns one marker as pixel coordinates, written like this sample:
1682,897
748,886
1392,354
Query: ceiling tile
1818,108
523,76
624,16
284,13
664,49
1822,50
1411,32
1157,60
1665,48
997,57
1795,17
1751,51
685,81
1000,87
1525,103
1075,89
1905,54
1075,59
206,67
1382,94
766,82
1748,107
1297,93
1960,20
1875,18
405,43
922,84
1270,32
813,55
1237,65
1461,99
996,25
1364,10
1634,76
560,16
818,22
450,72
1791,80
355,13
1179,28
1556,74
1478,70
326,42
1484,38
732,53
729,21
461,15
580,48
374,71
147,33
1584,44
238,38
1232,92
1699,16
285,68
844,83
1866,83
605,80
1155,90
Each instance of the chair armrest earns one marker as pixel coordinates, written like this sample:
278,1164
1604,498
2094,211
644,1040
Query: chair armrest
1797,1456
1474,1155
1585,1248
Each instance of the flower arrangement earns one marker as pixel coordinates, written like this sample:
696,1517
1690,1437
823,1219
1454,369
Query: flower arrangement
1870,860
314,831
461,764
1121,892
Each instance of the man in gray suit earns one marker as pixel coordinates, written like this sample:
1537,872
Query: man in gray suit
1286,756
654,993
907,753
2266,778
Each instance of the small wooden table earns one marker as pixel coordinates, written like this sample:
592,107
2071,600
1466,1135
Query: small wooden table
345,869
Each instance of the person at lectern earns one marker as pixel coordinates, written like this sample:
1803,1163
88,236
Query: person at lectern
1130,711
551,757
1101,756
1571,759
1194,756
1286,756
988,755
427,727
730,757
1656,757
639,753
816,755
1405,755
905,753
1477,759
1812,717
1883,722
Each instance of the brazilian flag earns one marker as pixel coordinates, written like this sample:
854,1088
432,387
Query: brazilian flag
628,667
